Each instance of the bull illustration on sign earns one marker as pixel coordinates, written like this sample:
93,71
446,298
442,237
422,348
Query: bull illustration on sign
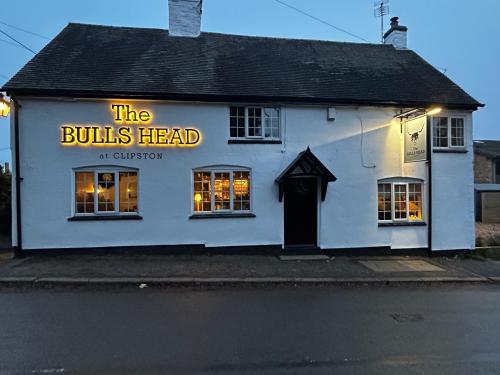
415,135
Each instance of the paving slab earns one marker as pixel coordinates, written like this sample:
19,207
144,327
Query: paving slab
386,266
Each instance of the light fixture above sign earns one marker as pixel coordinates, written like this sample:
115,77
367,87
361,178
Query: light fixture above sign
131,128
434,111
4,106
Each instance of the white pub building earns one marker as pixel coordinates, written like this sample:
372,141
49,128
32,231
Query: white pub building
134,137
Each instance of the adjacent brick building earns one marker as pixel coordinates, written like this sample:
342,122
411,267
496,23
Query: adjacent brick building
487,180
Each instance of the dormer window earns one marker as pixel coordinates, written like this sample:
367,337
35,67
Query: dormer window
254,123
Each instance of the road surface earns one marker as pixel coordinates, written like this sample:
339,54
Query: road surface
285,330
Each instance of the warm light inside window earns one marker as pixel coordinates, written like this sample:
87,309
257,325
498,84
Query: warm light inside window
241,191
84,192
202,191
106,192
222,192
400,201
128,191
415,201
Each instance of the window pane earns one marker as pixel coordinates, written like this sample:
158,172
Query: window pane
497,171
128,192
241,190
384,202
202,192
106,192
440,131
457,132
415,201
237,122
84,192
254,122
271,122
399,201
222,192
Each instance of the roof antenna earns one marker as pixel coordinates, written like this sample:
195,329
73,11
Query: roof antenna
381,8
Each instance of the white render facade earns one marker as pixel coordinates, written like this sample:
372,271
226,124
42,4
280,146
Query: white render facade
361,146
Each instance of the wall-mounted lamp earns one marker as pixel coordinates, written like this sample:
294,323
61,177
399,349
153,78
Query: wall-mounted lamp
4,106
434,111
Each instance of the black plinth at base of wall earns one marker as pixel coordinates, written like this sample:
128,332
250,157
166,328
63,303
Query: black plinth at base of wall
260,250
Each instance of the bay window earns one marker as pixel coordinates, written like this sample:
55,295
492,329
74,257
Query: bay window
105,191
400,201
254,122
224,190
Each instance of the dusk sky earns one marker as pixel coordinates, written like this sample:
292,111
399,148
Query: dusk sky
460,36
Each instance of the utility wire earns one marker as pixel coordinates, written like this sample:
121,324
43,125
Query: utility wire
10,43
5,149
18,42
24,30
320,20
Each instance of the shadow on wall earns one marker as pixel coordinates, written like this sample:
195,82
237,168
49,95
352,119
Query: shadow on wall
5,196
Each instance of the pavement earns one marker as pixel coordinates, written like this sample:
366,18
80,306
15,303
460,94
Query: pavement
195,269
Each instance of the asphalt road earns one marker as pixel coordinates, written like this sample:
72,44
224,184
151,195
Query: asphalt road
305,330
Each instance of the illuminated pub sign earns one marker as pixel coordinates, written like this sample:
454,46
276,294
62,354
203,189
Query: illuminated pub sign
131,128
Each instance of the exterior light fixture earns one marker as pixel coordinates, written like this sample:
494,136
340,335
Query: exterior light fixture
434,111
4,106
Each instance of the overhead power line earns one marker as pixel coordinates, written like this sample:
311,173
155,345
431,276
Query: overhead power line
320,20
24,30
17,41
10,43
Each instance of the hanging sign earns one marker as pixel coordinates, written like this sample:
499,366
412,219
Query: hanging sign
130,127
415,139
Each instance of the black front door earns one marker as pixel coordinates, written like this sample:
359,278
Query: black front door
301,211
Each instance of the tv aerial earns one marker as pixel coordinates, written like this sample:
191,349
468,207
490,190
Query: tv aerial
381,9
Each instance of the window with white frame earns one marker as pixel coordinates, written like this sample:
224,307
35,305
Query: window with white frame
105,191
254,122
399,201
448,132
221,190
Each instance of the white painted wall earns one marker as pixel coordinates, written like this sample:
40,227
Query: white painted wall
348,216
453,195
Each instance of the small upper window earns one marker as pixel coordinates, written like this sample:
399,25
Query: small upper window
254,122
399,201
105,191
448,132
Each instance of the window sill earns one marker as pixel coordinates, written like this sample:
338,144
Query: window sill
104,217
221,215
403,224
254,141
450,150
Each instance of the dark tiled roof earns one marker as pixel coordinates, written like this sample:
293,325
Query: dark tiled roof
90,60
488,148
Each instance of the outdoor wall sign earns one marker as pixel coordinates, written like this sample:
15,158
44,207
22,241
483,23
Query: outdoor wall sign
130,127
415,139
